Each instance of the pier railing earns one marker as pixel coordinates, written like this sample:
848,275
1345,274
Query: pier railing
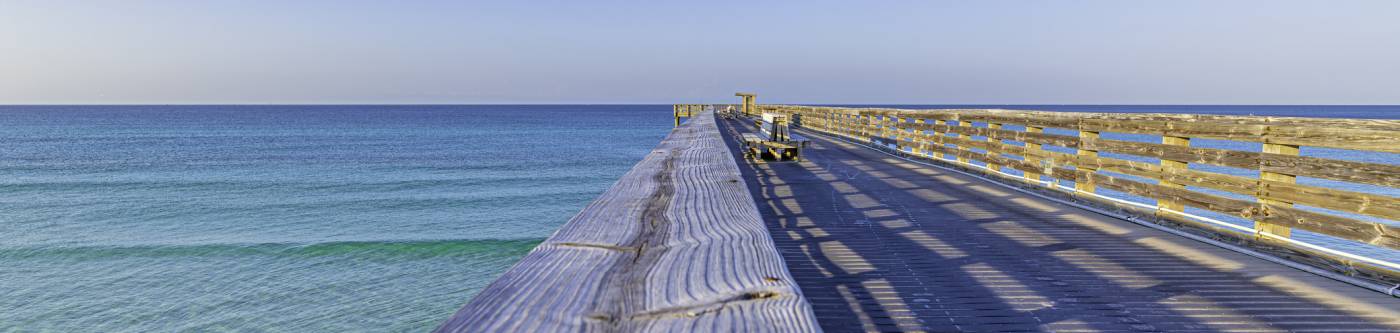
1353,201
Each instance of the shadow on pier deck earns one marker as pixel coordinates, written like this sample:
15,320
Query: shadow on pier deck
882,244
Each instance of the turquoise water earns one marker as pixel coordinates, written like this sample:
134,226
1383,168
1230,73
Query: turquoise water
321,218
287,218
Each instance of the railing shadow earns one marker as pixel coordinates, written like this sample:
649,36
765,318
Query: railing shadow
880,244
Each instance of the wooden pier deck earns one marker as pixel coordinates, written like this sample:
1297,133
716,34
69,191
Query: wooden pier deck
860,237
879,243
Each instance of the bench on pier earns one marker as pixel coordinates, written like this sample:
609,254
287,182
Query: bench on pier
776,143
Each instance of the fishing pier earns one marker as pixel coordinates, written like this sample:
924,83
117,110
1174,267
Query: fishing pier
975,220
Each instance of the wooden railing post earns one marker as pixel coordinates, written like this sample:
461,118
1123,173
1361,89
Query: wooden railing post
1169,167
879,126
938,137
1031,149
993,145
1085,183
1269,148
863,126
917,133
857,130
885,122
840,124
963,123
898,132
844,125
871,127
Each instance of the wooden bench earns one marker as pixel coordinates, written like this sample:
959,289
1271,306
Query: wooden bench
762,147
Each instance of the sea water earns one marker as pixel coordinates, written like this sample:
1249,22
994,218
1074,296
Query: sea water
287,218
316,218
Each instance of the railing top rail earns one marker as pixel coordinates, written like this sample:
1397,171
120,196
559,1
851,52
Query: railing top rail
1381,135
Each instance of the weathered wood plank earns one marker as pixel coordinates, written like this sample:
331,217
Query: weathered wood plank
675,245
1030,137
1367,232
1221,157
1356,134
1381,206
1189,198
1357,172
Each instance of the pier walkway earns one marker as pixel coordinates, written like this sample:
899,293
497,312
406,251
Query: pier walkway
880,243
975,220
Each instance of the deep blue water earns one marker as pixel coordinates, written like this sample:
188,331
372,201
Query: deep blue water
316,218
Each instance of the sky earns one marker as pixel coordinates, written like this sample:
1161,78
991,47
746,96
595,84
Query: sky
604,52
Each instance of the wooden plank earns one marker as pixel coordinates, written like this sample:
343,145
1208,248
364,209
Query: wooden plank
1055,158
675,245
1029,137
1355,134
1028,118
1188,177
1357,172
1378,234
1376,205
1225,205
1222,157
1134,123
1250,129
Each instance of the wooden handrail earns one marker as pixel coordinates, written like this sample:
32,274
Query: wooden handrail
1275,191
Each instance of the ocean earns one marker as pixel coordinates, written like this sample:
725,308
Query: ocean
317,218
287,218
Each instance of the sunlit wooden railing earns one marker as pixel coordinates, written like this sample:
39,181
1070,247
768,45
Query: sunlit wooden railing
1002,140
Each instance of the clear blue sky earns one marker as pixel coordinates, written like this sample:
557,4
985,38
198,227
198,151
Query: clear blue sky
996,52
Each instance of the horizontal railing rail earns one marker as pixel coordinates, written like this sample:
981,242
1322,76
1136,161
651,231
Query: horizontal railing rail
1271,196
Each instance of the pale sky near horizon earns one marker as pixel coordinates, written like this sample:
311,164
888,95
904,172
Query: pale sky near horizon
851,52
